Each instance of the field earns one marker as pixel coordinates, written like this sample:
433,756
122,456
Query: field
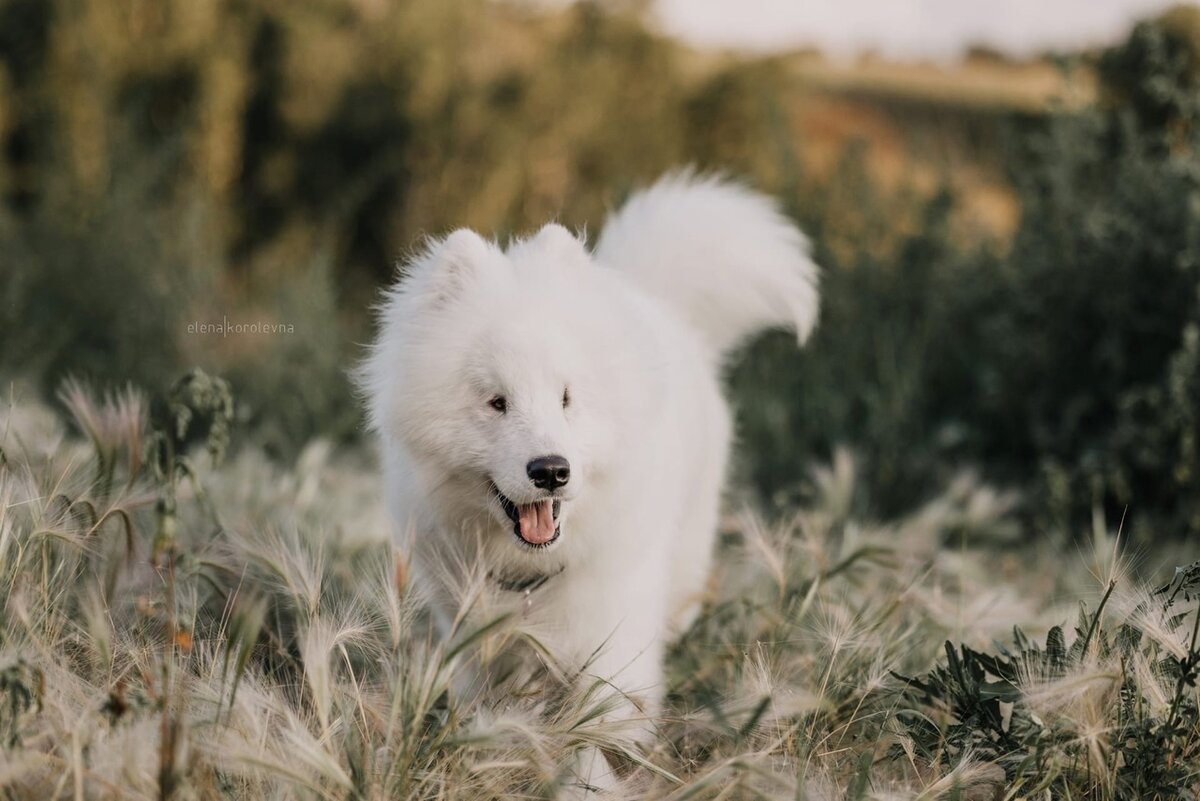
960,553
192,628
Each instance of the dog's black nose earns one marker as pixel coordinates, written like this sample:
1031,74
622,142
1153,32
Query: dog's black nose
549,472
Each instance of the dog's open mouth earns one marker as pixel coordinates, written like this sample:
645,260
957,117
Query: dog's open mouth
535,524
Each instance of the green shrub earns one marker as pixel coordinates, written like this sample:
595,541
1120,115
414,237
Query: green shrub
99,290
1066,364
1114,713
868,378
295,386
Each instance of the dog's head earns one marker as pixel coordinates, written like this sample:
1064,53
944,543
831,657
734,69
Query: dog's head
490,371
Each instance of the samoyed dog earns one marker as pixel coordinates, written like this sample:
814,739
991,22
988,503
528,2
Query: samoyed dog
551,418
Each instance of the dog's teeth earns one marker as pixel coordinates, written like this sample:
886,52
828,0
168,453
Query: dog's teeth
556,508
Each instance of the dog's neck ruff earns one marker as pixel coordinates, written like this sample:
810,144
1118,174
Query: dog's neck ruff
525,584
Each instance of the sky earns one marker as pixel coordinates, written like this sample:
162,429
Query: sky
934,29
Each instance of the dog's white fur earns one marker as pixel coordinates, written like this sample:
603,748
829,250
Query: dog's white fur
634,333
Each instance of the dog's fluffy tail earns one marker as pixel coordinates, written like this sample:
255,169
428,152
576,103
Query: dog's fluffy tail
721,254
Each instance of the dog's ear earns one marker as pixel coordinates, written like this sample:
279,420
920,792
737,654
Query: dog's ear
453,264
558,241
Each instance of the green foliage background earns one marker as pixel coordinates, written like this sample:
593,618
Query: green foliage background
167,162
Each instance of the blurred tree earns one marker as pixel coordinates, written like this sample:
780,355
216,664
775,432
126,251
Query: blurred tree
24,40
1156,72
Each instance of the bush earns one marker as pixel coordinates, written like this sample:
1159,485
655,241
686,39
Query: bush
1114,713
871,376
1065,364
1087,349
99,290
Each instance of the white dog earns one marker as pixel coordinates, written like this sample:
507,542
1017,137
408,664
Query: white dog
555,416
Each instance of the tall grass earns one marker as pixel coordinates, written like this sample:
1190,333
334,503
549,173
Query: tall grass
244,630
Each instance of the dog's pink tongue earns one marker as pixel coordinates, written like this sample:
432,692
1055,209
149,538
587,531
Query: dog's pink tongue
537,522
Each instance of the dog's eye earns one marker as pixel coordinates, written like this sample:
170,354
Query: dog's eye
499,403
566,397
